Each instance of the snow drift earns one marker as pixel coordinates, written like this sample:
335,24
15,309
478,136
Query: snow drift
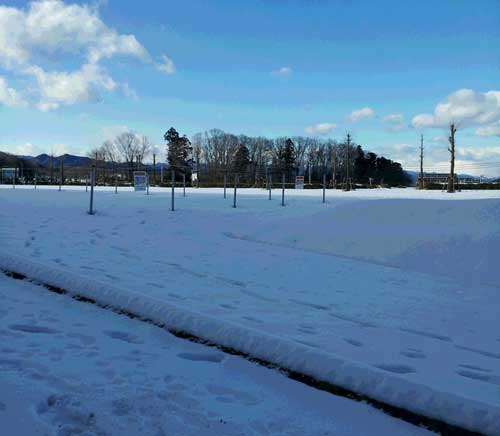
465,412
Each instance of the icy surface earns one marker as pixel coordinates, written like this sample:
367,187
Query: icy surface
71,368
419,333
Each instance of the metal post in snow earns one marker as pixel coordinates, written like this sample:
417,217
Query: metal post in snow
60,175
35,180
324,187
225,184
235,189
270,184
116,183
147,184
92,183
173,191
283,189
184,185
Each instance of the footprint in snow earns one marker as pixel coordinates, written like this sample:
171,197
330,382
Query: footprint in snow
413,354
29,328
480,376
474,368
123,336
202,357
396,368
353,342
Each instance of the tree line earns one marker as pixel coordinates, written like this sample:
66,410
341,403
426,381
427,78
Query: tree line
215,153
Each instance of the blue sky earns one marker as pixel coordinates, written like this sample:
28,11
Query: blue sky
275,68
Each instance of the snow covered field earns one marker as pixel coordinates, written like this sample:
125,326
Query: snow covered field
391,293
71,368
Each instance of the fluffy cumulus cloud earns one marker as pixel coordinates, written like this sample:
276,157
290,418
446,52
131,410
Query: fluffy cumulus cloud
466,108
365,113
55,28
394,122
63,88
282,72
320,129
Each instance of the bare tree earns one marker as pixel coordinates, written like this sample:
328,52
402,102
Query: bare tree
126,144
143,150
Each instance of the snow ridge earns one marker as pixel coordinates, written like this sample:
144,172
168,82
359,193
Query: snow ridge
453,409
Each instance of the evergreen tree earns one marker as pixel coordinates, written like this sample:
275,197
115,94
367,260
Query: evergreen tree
178,150
286,156
241,159
361,166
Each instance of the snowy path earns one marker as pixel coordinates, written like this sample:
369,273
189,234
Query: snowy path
253,267
72,368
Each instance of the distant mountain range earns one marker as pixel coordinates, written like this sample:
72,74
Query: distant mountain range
69,160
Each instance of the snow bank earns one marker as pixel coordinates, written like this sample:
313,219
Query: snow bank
454,409
454,238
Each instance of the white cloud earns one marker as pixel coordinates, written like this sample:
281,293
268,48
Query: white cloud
282,72
9,96
51,26
29,149
111,132
490,130
63,88
361,114
320,129
394,122
468,159
54,28
466,108
166,66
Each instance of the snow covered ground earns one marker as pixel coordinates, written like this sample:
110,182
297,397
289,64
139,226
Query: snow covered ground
72,368
395,291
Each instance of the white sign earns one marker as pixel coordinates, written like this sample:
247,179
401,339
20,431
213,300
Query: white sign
299,182
194,177
140,180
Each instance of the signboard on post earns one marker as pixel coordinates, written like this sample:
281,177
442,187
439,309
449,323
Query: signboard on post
140,180
299,182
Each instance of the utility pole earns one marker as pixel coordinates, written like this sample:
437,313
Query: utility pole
451,149
347,186
421,184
